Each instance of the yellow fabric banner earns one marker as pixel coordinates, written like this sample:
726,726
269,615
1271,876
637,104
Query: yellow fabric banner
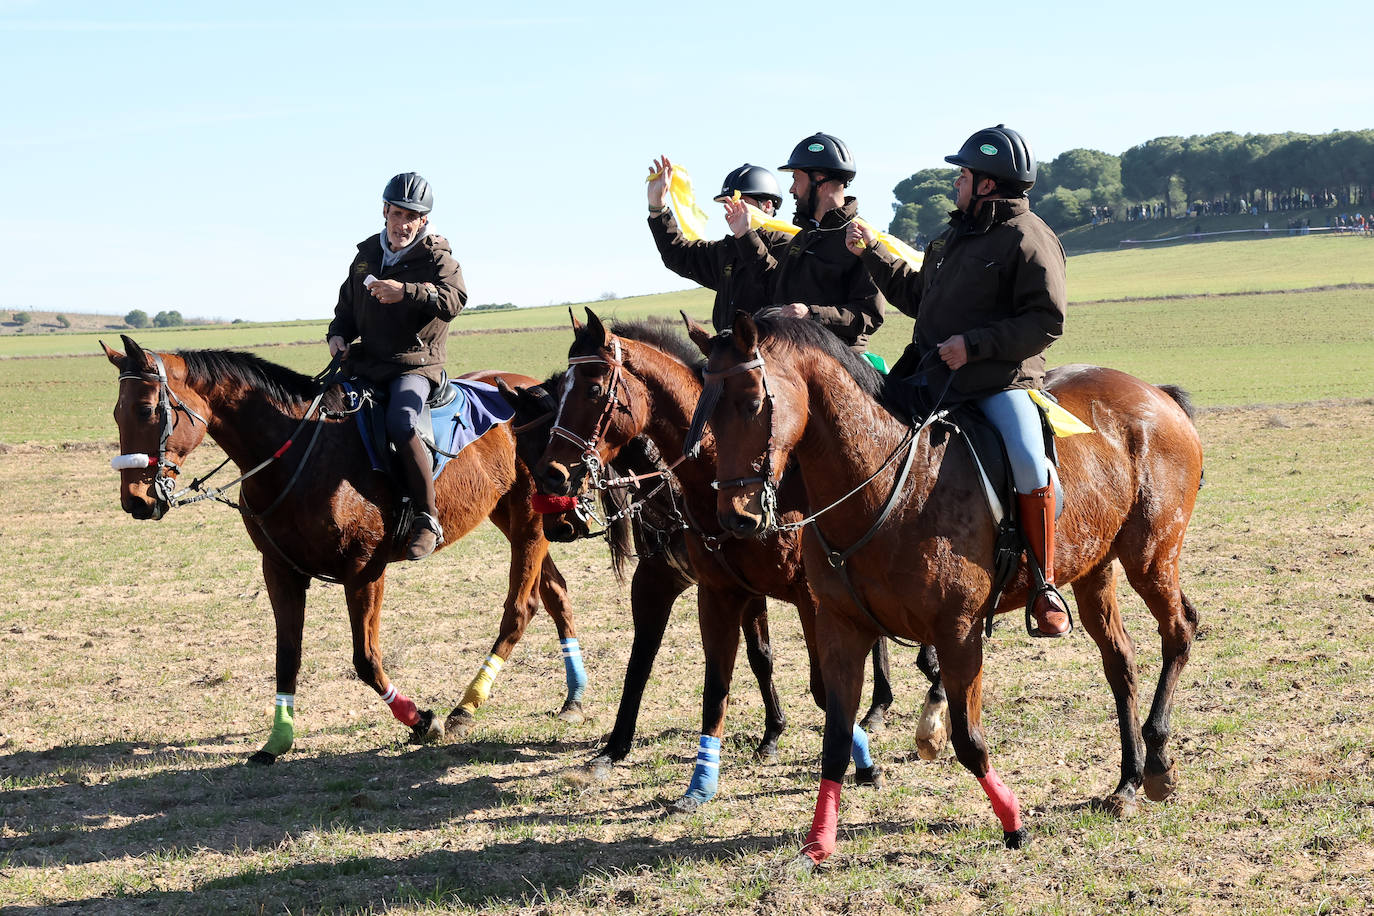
691,219
760,220
1062,422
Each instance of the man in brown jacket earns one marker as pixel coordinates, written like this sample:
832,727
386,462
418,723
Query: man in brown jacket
730,265
403,289
988,300
814,276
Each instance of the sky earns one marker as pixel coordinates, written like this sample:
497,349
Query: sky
224,160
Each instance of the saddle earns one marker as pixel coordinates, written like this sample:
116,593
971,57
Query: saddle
457,414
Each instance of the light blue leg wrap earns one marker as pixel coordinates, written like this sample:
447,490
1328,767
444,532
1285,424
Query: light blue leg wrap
572,664
859,750
706,776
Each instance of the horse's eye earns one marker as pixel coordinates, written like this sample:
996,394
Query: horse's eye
594,390
146,411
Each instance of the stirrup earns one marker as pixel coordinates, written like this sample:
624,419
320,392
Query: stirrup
1046,588
428,522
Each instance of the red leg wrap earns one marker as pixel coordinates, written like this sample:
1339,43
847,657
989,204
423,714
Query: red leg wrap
820,842
404,709
1004,803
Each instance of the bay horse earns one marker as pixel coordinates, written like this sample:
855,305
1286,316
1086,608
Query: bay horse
316,509
917,561
642,519
644,380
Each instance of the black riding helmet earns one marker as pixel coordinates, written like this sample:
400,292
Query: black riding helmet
1001,154
411,191
751,181
822,153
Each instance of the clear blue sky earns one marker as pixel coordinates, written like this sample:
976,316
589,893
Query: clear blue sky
224,160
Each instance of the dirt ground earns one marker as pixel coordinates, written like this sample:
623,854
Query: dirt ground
138,678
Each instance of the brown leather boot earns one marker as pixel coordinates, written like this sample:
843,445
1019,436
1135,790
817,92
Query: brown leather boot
425,531
1037,524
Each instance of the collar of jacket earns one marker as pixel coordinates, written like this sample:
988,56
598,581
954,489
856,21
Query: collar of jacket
372,245
1000,211
832,219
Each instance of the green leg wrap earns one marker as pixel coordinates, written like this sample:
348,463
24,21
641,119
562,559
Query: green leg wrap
283,729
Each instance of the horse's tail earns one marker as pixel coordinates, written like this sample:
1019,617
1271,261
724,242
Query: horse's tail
1185,401
1181,397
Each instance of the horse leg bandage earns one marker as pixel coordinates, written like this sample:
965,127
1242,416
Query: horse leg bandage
706,775
572,665
283,725
863,760
820,840
480,688
1004,803
402,707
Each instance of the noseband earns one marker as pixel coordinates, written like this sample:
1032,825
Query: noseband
164,483
590,460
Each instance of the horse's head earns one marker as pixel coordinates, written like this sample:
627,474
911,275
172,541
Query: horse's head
600,408
565,518
160,422
757,417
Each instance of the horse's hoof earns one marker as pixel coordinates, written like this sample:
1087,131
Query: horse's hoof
869,776
930,748
459,723
1159,786
262,759
874,722
427,730
571,713
766,752
687,804
1016,839
801,866
1119,806
932,732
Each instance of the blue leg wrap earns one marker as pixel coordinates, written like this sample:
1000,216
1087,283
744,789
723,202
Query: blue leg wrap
859,750
572,664
707,773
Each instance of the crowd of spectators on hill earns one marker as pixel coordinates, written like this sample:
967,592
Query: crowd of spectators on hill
1230,206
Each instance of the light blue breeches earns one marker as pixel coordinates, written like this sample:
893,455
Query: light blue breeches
1017,418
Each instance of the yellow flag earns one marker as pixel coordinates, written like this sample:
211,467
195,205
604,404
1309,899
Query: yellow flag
1062,422
760,220
691,219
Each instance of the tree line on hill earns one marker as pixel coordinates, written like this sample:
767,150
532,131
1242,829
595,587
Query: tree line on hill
1170,177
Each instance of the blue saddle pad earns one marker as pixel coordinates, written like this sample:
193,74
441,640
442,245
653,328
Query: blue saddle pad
475,408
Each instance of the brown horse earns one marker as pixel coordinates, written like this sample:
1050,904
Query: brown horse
923,570
644,381
641,519
336,521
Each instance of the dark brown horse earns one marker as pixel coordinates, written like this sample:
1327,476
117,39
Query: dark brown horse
641,519
314,508
643,381
791,393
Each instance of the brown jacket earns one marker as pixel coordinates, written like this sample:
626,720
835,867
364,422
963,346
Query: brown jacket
999,280
730,266
406,336
818,270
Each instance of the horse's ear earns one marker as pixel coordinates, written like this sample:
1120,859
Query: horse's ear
597,329
700,336
114,356
512,395
134,353
746,333
577,325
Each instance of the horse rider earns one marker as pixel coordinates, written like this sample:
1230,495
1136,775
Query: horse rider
403,289
731,266
813,277
988,300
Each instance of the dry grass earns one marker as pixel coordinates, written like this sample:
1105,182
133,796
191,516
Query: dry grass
138,678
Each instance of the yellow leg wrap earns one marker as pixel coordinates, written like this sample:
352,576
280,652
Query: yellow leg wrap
480,688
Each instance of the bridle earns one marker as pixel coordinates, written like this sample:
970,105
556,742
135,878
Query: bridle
714,385
164,481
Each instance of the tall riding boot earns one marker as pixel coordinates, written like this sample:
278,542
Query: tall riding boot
425,532
1037,523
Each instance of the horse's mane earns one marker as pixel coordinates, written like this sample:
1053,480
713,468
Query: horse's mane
660,333
803,333
285,386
